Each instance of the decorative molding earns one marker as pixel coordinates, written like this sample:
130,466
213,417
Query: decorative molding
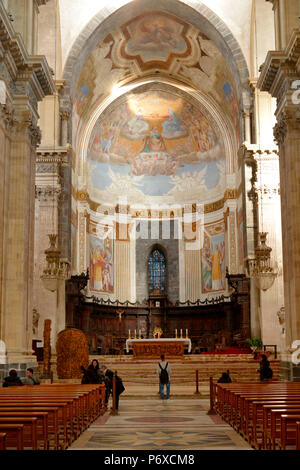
64,115
50,156
6,116
47,193
33,68
280,130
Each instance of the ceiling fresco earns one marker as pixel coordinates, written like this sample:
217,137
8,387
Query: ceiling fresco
155,42
155,147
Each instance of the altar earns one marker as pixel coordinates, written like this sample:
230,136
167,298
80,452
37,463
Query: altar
155,347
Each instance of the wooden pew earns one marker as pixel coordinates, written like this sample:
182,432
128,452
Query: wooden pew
29,430
64,413
272,430
2,441
42,423
52,412
298,435
288,430
242,406
259,422
71,408
15,434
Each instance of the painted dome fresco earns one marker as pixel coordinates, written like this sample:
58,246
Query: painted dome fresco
155,147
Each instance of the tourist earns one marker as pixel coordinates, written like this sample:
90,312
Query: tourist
12,379
30,379
119,389
265,370
164,370
108,375
93,374
225,378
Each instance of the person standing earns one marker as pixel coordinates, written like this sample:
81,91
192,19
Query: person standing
164,371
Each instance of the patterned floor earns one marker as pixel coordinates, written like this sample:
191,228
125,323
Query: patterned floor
150,424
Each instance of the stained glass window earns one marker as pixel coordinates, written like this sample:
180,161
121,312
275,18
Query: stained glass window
157,271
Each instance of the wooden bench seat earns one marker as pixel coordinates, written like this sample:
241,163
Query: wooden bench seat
2,441
42,424
298,435
253,428
64,413
52,418
256,411
15,435
288,430
29,430
69,409
272,423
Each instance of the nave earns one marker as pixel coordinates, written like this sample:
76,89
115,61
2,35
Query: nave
150,424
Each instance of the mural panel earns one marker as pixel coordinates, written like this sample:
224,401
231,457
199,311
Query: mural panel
101,264
213,258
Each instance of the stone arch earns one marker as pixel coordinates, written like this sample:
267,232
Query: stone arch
200,16
221,119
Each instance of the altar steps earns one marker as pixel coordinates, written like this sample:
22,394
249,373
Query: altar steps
140,378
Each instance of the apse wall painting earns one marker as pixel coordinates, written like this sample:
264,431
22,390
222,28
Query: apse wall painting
155,145
101,264
213,259
155,40
154,37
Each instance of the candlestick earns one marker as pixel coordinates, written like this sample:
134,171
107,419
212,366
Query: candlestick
140,334
176,333
129,334
180,333
134,334
186,333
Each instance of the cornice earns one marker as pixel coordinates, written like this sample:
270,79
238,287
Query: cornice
278,62
19,62
58,155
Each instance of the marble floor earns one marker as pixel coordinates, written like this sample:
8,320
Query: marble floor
152,424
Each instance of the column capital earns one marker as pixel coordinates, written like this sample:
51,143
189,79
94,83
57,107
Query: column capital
25,124
287,121
47,193
6,115
64,114
280,130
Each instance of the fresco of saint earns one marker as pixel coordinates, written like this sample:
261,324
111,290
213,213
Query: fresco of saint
101,265
216,273
212,261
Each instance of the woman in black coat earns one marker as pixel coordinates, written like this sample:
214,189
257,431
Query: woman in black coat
93,374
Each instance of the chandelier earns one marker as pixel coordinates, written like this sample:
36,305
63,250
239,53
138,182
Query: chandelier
56,268
260,267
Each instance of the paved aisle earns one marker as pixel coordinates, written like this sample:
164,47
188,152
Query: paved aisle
152,425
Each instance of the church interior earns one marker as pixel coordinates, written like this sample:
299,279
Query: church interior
149,201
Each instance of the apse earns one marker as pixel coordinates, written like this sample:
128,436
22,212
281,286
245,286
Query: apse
158,149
